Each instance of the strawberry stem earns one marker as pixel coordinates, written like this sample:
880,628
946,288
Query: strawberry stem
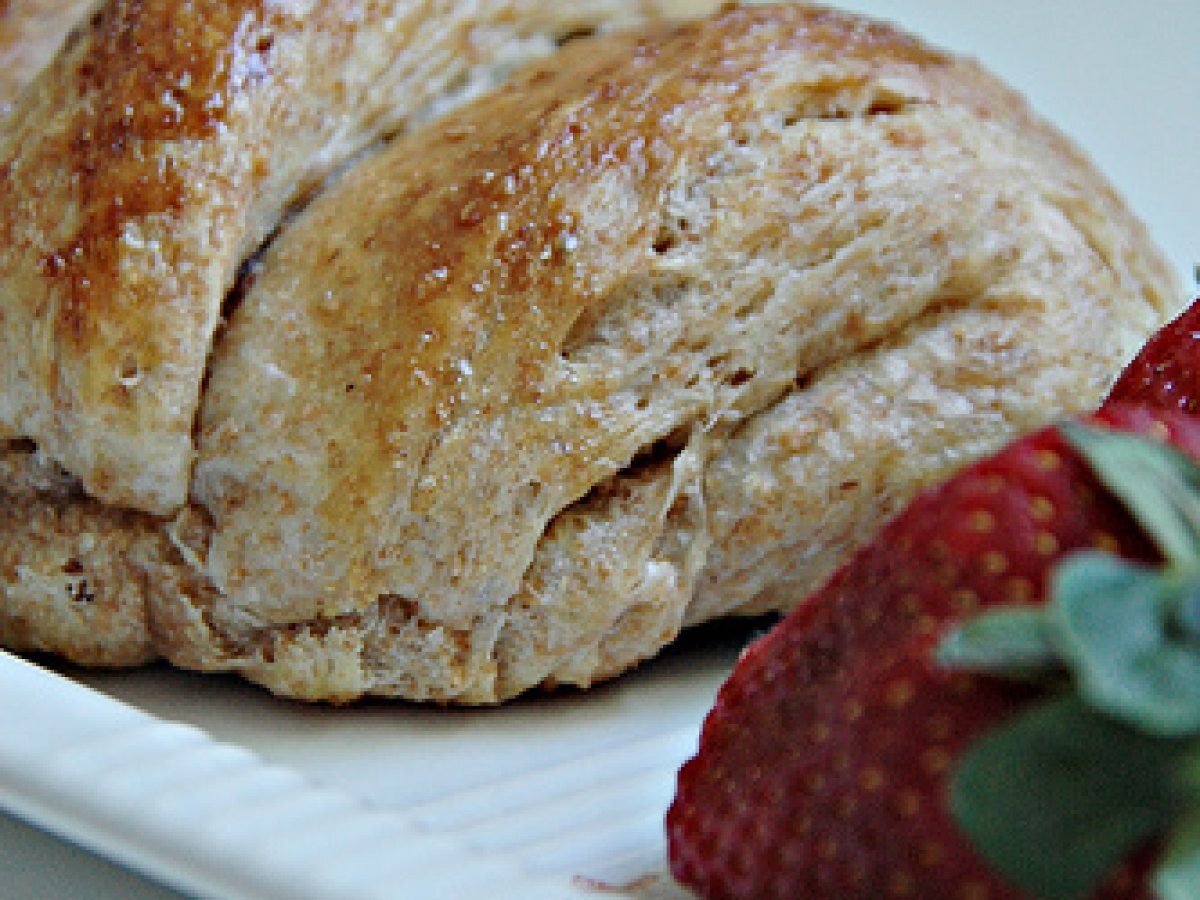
1114,759
1014,642
1085,790
1158,484
1112,624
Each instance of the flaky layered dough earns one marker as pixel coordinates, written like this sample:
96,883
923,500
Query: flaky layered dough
657,331
156,153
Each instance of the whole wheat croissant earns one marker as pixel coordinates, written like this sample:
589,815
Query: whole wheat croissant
657,329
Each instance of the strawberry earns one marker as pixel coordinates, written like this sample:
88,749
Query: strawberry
1166,373
830,764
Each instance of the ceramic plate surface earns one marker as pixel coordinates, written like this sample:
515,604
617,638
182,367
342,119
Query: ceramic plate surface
216,789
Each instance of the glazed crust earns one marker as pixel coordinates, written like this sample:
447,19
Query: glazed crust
657,331
157,152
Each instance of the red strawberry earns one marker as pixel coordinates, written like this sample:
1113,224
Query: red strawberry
1166,373
823,767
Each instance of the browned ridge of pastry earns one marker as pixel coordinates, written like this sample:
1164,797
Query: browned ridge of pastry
656,331
157,152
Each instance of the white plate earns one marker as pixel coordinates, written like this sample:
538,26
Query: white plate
211,786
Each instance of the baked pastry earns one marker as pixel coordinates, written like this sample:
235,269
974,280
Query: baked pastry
656,331
154,156
31,31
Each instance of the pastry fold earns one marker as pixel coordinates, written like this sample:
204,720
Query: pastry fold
160,148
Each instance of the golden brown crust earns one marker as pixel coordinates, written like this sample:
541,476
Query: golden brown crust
656,332
151,159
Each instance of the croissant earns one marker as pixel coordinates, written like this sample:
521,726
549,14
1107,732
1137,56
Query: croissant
655,330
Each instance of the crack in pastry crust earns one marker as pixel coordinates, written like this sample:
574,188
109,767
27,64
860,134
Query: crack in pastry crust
658,331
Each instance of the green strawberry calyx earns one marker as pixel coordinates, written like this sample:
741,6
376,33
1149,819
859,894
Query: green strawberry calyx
1057,796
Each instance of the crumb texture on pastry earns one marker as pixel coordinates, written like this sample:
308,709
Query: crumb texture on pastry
657,330
31,31
156,153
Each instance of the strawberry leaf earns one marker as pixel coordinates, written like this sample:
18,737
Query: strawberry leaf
1085,790
1158,484
1111,621
1178,874
1013,641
